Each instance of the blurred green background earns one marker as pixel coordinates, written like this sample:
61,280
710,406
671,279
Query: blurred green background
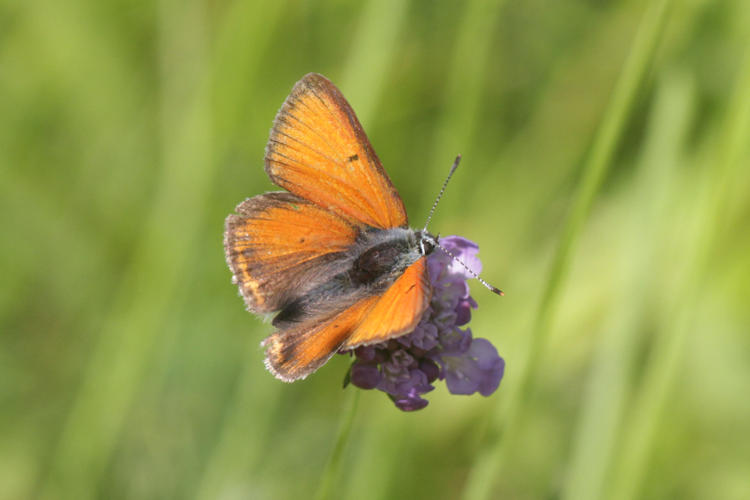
605,177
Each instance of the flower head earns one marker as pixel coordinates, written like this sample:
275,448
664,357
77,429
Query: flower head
437,349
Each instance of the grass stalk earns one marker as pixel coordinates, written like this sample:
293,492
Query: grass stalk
332,471
119,359
482,476
464,85
663,366
603,408
373,49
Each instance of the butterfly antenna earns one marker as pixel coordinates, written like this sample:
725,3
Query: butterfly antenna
442,190
469,270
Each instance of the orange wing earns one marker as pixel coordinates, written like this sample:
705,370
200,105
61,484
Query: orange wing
296,352
397,311
318,150
278,244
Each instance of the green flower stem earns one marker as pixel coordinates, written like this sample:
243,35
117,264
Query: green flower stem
330,475
481,479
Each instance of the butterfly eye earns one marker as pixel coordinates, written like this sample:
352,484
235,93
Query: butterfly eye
426,243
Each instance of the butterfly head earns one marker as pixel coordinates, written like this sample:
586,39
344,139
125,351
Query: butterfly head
427,242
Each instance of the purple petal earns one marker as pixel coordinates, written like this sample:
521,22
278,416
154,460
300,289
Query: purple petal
365,375
410,402
430,369
423,337
463,310
479,369
466,251
401,358
365,353
461,376
417,382
492,365
455,342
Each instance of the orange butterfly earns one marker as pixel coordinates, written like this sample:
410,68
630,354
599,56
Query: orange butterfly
333,254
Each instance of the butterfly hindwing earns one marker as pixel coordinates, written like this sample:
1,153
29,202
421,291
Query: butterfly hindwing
299,349
318,151
397,311
295,352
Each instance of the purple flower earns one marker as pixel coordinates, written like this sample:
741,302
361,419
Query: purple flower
365,375
437,349
479,369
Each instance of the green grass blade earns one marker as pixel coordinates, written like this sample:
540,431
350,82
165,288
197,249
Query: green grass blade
244,31
663,367
611,372
119,359
464,85
332,471
374,47
481,479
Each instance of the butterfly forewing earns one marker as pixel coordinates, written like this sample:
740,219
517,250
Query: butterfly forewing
318,150
280,246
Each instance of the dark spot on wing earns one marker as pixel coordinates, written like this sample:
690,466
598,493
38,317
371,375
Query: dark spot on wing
353,158
291,313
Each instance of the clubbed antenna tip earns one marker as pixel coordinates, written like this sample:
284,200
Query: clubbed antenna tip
491,288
